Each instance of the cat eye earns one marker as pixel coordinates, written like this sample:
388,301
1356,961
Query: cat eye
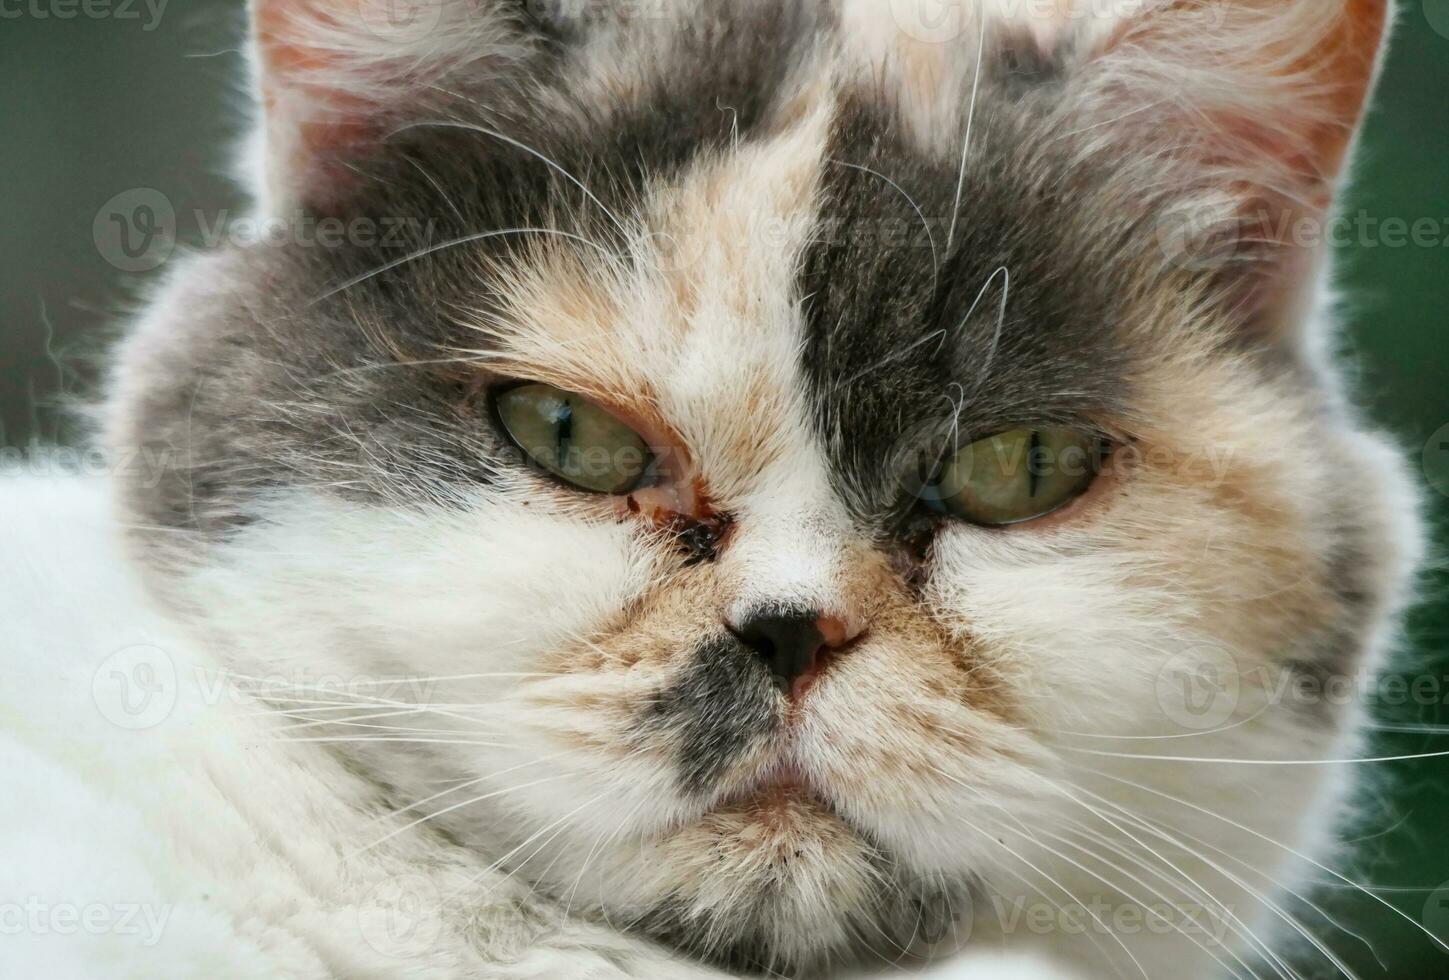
573,439
1015,476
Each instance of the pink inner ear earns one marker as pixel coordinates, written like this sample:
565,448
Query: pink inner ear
1344,63
314,123
1318,97
1279,94
1350,58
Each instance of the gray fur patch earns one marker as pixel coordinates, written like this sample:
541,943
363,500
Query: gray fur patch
722,703
930,324
335,368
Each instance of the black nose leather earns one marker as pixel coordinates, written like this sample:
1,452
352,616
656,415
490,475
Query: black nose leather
788,643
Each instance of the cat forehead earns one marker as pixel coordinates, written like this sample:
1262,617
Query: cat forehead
816,259
748,223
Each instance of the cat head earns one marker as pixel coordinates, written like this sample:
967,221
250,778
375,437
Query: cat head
783,454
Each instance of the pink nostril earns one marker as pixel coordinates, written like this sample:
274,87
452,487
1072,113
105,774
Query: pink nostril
796,646
834,632
801,685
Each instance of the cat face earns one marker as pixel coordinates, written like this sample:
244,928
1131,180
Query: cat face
780,469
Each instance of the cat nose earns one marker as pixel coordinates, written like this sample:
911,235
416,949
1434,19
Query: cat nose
796,645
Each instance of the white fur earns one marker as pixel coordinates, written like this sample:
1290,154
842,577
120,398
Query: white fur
265,854
197,845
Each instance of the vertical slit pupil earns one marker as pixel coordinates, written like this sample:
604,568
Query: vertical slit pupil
565,422
1033,462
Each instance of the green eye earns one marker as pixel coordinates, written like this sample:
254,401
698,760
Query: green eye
1016,476
574,439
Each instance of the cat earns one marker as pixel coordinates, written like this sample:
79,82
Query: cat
721,488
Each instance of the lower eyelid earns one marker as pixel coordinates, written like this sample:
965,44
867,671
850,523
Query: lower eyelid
1102,488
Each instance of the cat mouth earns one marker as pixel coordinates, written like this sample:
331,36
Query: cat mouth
779,788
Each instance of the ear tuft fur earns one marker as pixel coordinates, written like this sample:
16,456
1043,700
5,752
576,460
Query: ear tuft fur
334,75
1245,111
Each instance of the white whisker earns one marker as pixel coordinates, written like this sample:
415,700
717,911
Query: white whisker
451,243
970,122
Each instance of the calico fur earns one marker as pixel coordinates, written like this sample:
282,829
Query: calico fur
811,246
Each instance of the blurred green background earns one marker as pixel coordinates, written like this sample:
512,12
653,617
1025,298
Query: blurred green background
92,107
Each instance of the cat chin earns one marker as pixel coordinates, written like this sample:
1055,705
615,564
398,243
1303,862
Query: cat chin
773,882
775,879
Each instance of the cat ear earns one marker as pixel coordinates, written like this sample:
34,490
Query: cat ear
1243,113
334,77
